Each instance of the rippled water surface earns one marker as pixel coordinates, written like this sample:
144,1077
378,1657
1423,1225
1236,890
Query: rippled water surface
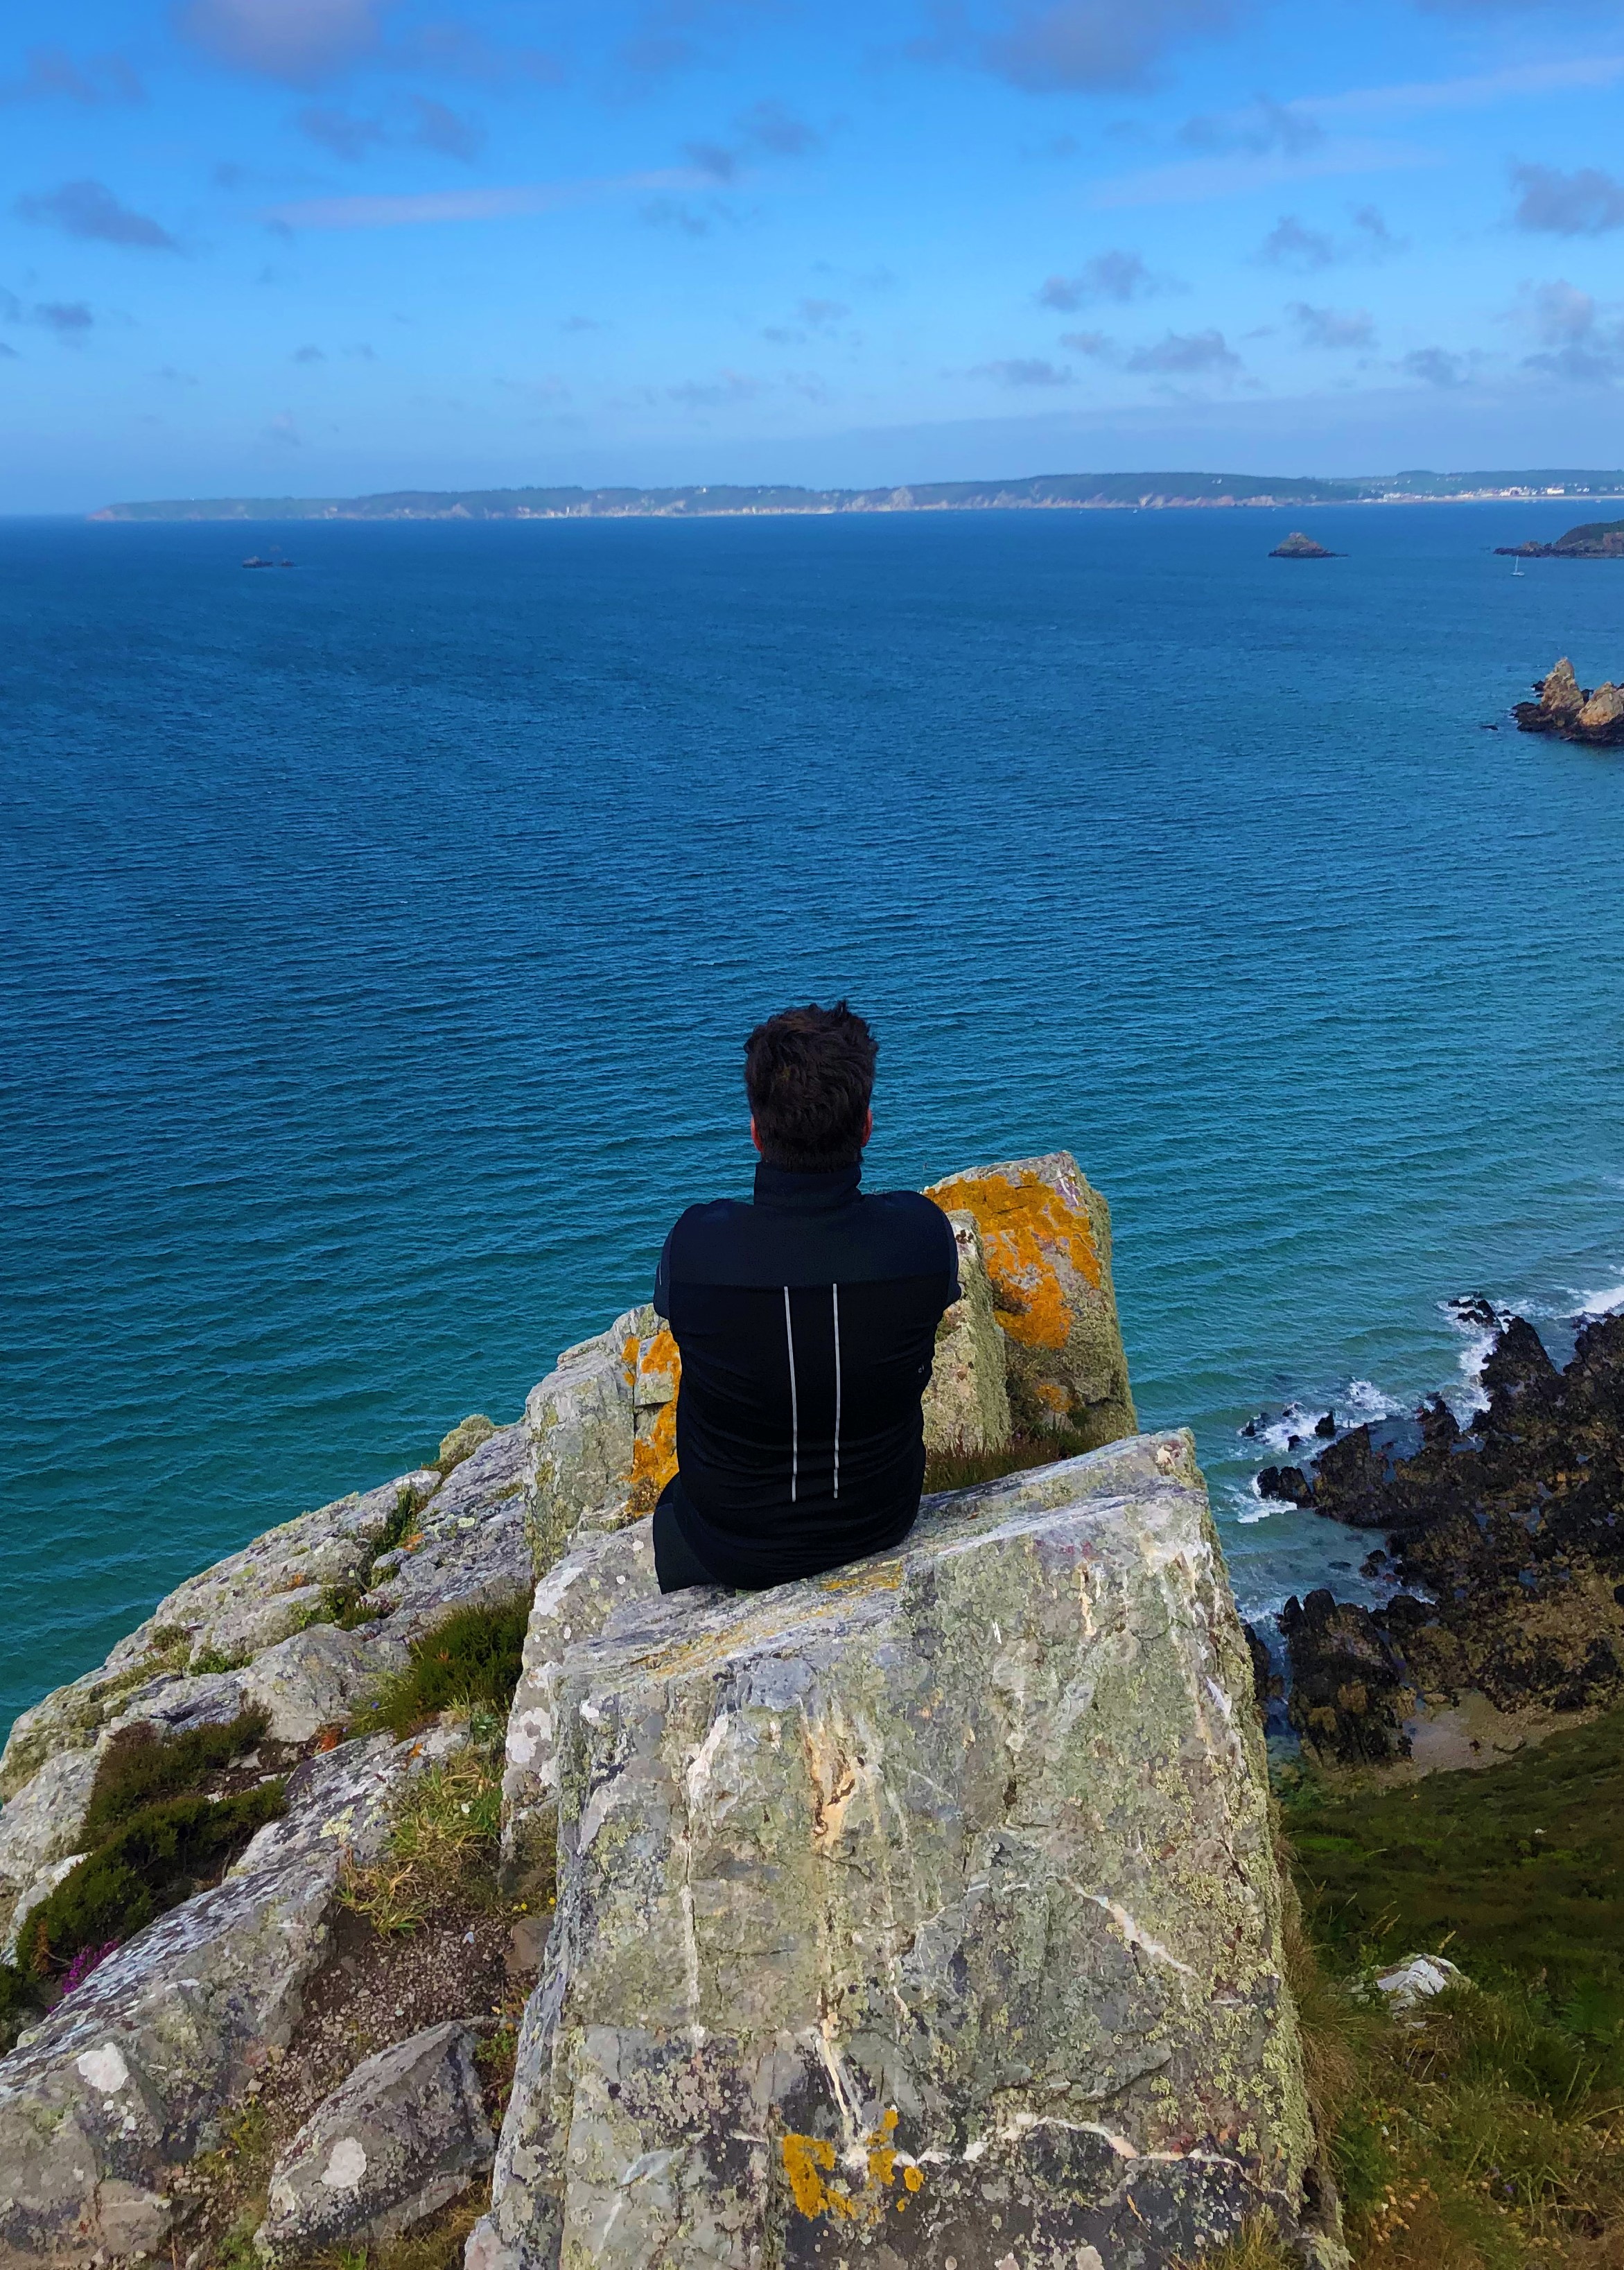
377,939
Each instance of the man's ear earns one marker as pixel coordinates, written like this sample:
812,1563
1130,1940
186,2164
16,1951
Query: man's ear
755,1138
868,1127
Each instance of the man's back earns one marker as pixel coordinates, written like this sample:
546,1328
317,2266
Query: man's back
807,1324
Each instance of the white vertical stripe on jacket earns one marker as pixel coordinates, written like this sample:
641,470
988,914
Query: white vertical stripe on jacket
834,1313
795,1407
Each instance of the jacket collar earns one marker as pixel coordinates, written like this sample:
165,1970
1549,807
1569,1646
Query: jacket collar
783,1191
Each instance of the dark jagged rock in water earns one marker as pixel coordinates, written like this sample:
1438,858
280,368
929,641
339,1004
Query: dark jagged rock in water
1593,539
1573,712
1288,1483
1509,1533
1298,547
1350,1692
1326,1425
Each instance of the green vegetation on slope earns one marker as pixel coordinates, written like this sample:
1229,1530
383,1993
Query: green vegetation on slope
472,1658
1482,2130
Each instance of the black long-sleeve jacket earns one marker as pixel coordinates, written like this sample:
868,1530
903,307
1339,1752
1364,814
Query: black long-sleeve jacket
807,1324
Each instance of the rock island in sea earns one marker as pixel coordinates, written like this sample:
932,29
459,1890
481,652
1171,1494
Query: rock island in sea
420,1860
1572,712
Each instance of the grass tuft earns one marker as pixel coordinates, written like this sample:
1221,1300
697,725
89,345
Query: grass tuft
473,1659
443,1837
953,1470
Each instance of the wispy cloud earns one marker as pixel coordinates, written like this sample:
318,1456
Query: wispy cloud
1186,355
452,133
1578,338
1332,328
1116,275
442,205
302,42
347,137
1587,203
1195,181
51,74
1290,244
1043,45
89,208
1023,371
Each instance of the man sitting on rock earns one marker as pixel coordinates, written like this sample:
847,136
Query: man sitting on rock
806,1323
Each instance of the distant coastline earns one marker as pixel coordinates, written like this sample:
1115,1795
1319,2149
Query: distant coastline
1161,492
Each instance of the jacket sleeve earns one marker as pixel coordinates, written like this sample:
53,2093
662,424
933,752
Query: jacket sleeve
663,1280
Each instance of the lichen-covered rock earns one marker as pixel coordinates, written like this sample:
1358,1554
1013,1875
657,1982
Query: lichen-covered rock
583,1424
1559,692
319,1678
656,1381
395,2141
463,1440
1047,1237
925,1910
39,1830
967,1403
575,1599
248,1602
467,1548
125,2078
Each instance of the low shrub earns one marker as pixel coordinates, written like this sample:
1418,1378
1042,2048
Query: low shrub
157,1857
954,1469
473,1658
138,1769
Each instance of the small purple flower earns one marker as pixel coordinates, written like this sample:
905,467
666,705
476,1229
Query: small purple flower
83,1963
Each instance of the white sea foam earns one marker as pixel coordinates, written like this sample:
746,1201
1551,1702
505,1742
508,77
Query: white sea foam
1602,1304
1366,1400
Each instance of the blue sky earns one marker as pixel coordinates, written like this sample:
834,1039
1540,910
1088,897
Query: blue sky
320,246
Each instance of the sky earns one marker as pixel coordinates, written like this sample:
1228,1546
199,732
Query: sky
322,247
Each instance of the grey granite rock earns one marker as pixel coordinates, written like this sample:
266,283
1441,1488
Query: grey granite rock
927,1908
967,1404
468,1549
127,2075
582,1423
395,2141
574,1601
39,1828
248,1602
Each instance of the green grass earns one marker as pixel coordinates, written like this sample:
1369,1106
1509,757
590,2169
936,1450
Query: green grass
138,1769
472,1658
1483,2130
443,1838
1517,1871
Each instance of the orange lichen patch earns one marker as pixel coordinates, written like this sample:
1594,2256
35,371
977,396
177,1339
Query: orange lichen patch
808,2163
1028,1231
658,1368
879,1576
654,1459
1053,1397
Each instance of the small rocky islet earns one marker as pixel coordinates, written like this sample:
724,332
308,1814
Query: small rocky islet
1573,712
1298,547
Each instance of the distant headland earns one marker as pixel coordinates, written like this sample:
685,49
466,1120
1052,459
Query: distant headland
1042,491
1596,539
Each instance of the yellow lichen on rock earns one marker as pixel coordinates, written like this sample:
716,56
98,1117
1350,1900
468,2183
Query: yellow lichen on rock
808,2163
1025,1227
1046,1236
654,1367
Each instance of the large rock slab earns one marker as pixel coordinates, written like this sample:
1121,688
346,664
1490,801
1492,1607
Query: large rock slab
395,2141
1047,1236
39,1830
925,1909
127,2076
605,1572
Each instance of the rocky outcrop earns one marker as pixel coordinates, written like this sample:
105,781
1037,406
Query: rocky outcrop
603,1425
1572,712
400,2138
1298,547
127,2076
967,1403
917,1911
1349,1699
1506,1536
1593,539
1046,1235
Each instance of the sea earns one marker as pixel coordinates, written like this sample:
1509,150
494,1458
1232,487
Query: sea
378,936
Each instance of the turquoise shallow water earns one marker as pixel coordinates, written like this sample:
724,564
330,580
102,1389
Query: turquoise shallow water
377,939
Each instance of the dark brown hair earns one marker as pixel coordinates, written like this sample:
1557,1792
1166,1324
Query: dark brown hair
809,1073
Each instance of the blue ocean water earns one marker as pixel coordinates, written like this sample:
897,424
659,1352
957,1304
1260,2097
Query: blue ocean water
377,939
